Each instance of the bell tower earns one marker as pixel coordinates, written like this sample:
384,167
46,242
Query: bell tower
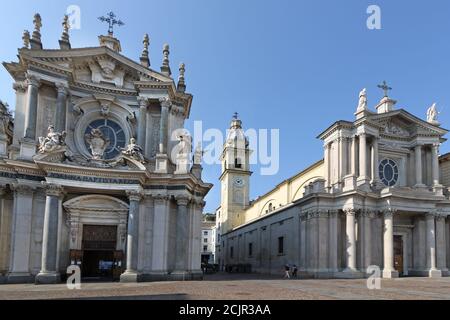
235,178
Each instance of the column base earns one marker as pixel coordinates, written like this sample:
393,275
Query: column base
27,149
390,274
48,278
434,273
420,186
363,184
2,279
162,163
196,274
19,277
130,277
180,276
349,183
438,190
349,274
154,277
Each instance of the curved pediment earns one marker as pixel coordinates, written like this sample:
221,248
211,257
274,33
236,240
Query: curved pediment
96,203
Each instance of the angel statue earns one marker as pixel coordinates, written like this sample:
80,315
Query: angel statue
54,141
432,115
134,151
98,143
362,104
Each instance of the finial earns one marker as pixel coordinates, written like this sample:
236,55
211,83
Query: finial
36,38
165,68
37,22
145,61
64,43
111,20
236,116
26,39
181,80
385,88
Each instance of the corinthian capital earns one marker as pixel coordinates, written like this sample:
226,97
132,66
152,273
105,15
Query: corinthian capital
61,88
20,86
349,211
53,190
143,102
134,195
182,200
32,80
165,102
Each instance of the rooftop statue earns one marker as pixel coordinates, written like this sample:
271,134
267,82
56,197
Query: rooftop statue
54,141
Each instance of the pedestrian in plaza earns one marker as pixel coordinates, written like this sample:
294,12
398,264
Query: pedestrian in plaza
294,271
287,270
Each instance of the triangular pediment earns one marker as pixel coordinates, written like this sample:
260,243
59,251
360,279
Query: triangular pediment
400,123
107,65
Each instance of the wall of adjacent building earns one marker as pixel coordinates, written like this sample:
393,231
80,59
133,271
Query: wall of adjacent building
445,170
285,193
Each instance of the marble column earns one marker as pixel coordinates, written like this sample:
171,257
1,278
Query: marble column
327,164
4,231
31,108
49,273
196,239
19,269
374,161
350,240
303,217
333,241
353,157
342,158
160,237
441,246
431,246
182,238
363,179
163,134
131,274
367,239
418,159
143,103
435,164
61,108
388,246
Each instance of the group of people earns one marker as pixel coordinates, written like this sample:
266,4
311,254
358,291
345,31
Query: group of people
290,271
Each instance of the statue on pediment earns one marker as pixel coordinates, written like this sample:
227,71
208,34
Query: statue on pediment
134,151
432,115
54,141
98,143
198,155
362,103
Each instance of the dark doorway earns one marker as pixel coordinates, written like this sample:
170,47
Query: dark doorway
398,254
98,265
99,253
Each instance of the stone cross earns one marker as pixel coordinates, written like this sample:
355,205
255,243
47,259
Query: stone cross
385,88
112,21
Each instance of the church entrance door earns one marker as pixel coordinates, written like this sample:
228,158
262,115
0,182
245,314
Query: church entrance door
99,252
398,254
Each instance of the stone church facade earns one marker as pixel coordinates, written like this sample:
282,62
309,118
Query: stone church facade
95,168
375,199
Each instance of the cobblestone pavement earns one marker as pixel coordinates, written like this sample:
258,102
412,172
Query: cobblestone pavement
238,287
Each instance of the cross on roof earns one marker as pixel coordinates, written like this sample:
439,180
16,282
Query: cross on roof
112,21
385,88
236,116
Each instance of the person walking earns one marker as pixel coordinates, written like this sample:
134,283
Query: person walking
287,269
294,271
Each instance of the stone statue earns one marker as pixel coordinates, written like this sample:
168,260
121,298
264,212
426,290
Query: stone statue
54,141
198,154
134,151
184,146
97,143
432,115
362,104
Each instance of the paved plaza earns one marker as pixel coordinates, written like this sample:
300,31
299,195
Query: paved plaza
239,287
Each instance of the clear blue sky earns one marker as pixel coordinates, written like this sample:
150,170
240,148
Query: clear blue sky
293,65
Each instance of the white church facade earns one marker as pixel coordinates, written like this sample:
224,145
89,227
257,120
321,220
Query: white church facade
90,172
375,199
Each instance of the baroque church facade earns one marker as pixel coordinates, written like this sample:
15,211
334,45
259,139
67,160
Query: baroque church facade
90,172
379,197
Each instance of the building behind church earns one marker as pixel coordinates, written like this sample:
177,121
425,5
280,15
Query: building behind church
95,168
379,197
